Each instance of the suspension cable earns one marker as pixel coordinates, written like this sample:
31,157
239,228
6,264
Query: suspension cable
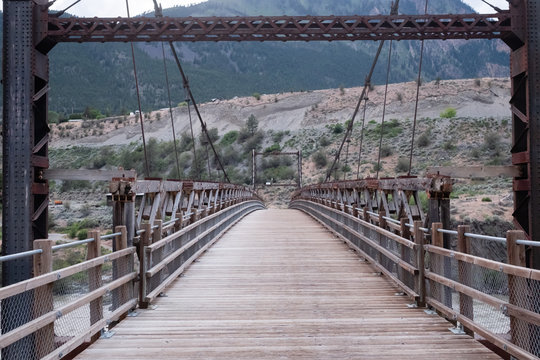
195,160
62,12
147,168
362,136
159,13
384,106
203,125
418,83
394,11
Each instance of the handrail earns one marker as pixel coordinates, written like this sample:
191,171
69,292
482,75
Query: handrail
20,255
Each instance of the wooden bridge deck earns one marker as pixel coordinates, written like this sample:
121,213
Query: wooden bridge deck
279,286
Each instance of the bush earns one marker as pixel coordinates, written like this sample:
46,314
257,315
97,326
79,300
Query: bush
386,151
229,138
486,199
257,96
402,165
324,142
337,128
449,113
424,139
449,145
492,141
272,149
82,234
319,158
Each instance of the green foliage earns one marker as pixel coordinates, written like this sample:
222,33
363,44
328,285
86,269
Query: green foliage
74,229
377,167
448,113
323,141
337,128
449,145
229,138
386,151
424,139
486,199
277,137
212,133
320,160
82,234
252,124
182,104
402,165
390,129
273,148
75,116
256,95
92,113
54,117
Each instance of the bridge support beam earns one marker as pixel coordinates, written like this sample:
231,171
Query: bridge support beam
25,153
525,73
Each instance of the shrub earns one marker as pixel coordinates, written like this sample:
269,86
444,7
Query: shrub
257,96
449,145
449,113
337,128
272,149
486,199
377,166
341,90
424,139
386,151
402,165
324,142
492,141
399,97
229,138
182,104
477,82
82,234
319,158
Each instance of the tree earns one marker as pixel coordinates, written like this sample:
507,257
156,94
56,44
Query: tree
252,124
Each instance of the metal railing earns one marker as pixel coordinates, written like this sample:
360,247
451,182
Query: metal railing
498,301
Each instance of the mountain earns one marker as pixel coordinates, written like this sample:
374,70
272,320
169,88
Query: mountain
101,75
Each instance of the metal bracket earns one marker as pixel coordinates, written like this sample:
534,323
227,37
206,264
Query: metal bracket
105,334
458,330
412,306
430,312
132,314
161,295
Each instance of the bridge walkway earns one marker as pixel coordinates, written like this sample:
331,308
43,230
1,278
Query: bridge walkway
279,286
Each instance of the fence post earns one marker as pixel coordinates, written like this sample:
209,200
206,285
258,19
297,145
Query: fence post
94,280
405,233
464,273
420,278
157,234
43,298
519,329
144,242
436,262
178,222
120,268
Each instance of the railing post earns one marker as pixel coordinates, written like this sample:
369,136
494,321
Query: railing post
144,242
178,222
43,298
94,279
383,260
437,239
157,234
518,290
121,295
419,240
464,273
405,253
365,214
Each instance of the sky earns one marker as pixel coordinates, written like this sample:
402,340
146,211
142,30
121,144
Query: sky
115,8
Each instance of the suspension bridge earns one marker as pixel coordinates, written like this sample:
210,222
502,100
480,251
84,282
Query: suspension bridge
354,269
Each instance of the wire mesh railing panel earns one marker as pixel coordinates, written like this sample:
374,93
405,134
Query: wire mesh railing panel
525,294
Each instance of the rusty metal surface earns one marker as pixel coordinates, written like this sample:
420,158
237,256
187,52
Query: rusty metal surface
281,28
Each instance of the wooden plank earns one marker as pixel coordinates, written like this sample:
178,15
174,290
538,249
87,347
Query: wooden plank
471,172
91,175
278,285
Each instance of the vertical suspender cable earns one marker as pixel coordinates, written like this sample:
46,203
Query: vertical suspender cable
203,125
384,106
394,11
147,169
418,83
362,138
170,110
195,160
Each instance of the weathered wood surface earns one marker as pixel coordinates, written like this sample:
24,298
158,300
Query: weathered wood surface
278,286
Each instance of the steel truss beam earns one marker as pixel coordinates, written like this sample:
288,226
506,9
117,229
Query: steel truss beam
281,28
